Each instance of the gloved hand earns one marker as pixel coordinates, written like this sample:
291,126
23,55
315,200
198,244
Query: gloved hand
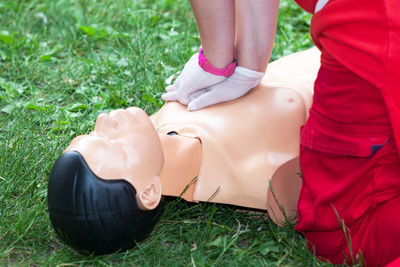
237,85
191,79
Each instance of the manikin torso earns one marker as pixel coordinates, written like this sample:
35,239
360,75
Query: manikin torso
228,153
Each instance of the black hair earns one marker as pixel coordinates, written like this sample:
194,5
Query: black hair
94,215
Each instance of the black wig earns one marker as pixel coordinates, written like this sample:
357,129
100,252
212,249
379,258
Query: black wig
94,215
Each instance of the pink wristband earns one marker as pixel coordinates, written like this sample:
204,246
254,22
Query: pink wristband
206,66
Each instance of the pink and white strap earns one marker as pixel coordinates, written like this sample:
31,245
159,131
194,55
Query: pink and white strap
208,67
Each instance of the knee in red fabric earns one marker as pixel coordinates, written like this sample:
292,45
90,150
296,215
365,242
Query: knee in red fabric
377,234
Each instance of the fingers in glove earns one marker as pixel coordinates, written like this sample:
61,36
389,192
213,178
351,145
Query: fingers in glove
204,100
175,86
197,94
170,96
199,82
234,87
193,78
170,88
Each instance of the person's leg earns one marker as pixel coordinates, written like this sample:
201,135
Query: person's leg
377,236
349,206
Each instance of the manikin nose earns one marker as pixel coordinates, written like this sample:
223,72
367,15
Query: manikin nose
105,124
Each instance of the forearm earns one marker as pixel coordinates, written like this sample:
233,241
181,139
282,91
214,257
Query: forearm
216,23
255,32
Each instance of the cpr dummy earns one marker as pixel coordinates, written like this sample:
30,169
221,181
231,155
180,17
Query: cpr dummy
231,153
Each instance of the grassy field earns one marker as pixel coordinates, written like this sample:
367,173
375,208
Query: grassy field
64,62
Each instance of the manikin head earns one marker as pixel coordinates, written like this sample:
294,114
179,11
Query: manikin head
104,191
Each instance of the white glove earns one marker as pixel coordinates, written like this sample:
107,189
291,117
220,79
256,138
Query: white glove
237,85
191,79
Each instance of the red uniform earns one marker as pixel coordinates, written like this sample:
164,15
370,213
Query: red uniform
350,199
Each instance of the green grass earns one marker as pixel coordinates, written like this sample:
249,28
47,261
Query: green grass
64,62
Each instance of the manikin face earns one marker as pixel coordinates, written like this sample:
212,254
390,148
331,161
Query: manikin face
125,145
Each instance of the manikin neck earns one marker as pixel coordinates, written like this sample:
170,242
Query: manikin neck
182,159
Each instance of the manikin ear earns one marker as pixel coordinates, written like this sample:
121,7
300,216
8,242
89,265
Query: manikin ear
149,197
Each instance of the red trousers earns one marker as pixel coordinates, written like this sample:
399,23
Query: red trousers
349,203
350,199
354,198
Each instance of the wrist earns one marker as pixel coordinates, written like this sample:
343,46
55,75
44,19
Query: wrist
252,76
208,67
